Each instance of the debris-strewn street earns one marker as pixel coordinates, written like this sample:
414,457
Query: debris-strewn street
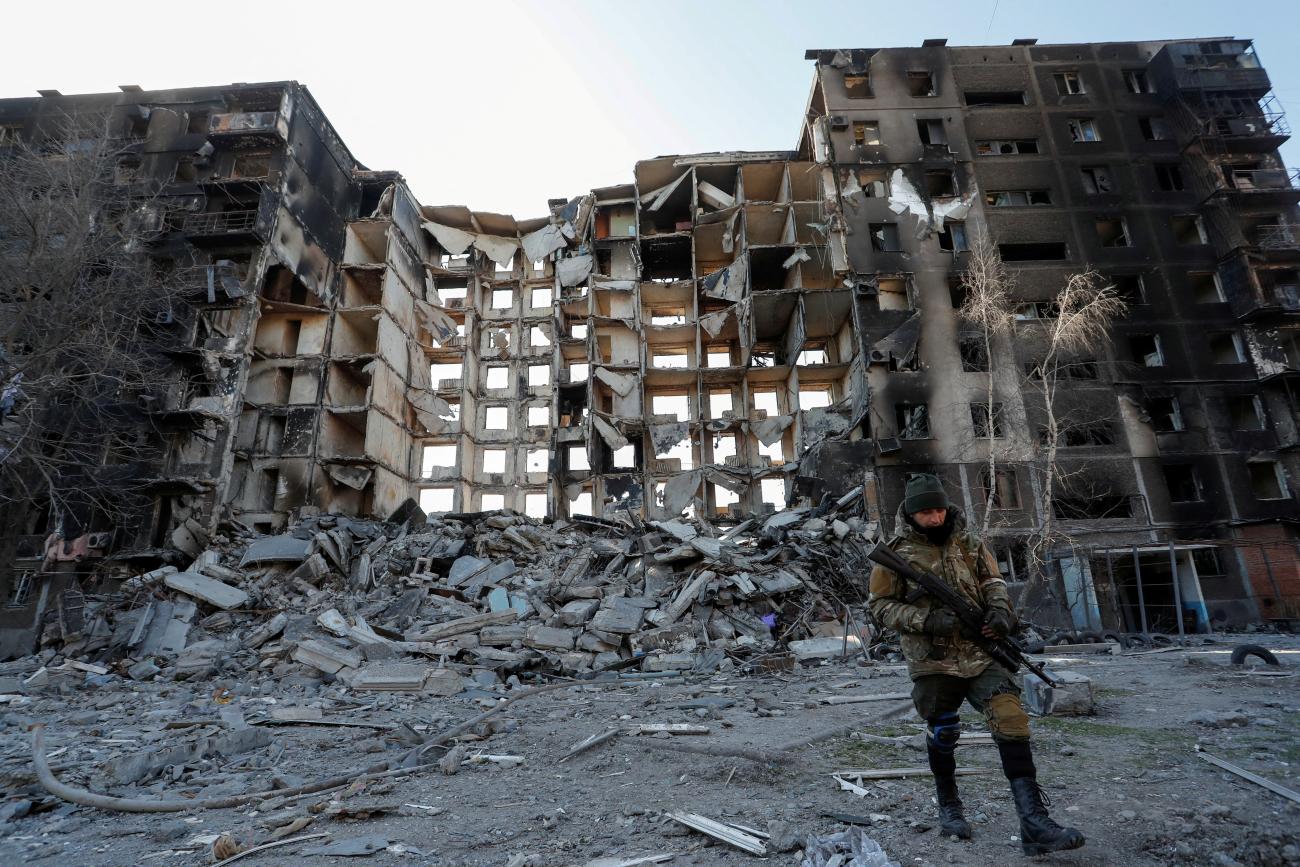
330,691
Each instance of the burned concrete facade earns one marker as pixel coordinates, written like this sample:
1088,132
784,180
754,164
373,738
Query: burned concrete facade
729,334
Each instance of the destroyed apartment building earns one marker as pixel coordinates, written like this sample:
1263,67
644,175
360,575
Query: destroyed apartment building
730,335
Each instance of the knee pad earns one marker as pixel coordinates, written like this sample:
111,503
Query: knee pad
942,732
1007,718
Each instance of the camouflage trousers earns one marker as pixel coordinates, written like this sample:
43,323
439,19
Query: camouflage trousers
992,692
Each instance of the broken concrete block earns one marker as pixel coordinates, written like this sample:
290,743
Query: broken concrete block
276,549
464,568
325,657
662,639
578,612
201,659
548,638
143,670
390,678
668,662
826,648
501,636
619,615
210,591
266,631
444,681
1072,696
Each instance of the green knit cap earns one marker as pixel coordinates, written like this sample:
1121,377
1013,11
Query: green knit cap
923,491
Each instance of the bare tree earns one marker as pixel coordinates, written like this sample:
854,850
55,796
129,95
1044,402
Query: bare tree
79,296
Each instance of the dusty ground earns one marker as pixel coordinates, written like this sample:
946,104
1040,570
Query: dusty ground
1128,776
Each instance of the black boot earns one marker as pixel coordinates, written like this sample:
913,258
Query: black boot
944,767
1038,833
951,819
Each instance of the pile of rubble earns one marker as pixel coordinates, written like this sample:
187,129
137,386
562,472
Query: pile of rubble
421,604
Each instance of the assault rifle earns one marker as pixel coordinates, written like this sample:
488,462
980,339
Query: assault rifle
1004,651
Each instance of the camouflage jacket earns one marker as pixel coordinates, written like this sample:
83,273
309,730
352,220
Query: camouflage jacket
966,564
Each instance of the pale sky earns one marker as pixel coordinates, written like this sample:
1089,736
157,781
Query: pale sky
502,104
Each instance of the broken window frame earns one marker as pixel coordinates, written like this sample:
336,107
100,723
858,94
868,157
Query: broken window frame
1154,358
857,85
1006,147
1275,473
1194,221
1233,405
973,353
1112,239
1069,83
979,417
1137,81
920,83
912,420
1131,288
866,133
1154,127
926,129
953,237
1197,281
885,237
896,290
1017,198
1006,494
946,188
1097,180
1172,414
1179,487
1169,177
1083,130
1214,345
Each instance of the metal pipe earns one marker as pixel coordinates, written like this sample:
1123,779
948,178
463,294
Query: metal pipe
1142,602
1178,594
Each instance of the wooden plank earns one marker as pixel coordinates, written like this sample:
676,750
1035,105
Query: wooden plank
890,773
1276,788
719,831
587,743
857,699
670,728
462,625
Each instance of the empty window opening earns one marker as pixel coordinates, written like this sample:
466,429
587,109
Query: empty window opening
920,82
724,447
539,266
1169,177
1112,231
866,132
448,293
812,398
506,267
995,97
1166,415
719,358
1246,412
1188,229
1006,492
857,86
581,504
1154,128
979,416
539,416
579,371
22,588
953,237
874,183
1017,198
444,372
884,237
940,184
1006,147
766,401
774,453
1084,129
492,502
578,458
436,456
670,359
538,375
1137,82
1227,348
974,353
912,420
892,293
494,460
1145,349
676,405
931,131
540,297
1092,434
1046,251
1206,287
434,500
498,377
772,492
535,505
496,418
578,330
535,460
720,402
1267,481
1097,180
503,299
1068,83
537,337
625,457
1184,483
723,499
668,316
1079,368
1030,310
811,356
1130,288
682,452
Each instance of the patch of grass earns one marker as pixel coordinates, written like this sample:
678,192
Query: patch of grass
1082,727
1112,692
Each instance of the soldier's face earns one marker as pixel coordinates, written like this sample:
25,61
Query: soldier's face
930,518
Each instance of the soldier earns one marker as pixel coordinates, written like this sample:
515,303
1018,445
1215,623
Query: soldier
947,669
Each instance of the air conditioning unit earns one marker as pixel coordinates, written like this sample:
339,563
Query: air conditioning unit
99,540
879,356
164,317
889,445
839,121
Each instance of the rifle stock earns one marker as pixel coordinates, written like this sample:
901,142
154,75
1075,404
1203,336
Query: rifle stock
1003,651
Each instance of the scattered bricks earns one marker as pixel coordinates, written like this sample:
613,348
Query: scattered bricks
547,638
578,612
618,615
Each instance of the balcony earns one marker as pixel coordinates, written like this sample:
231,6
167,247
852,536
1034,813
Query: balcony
220,224
1262,186
245,123
1277,237
1247,131
1228,71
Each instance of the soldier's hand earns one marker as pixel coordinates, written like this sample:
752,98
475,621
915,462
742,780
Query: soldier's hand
997,623
941,621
